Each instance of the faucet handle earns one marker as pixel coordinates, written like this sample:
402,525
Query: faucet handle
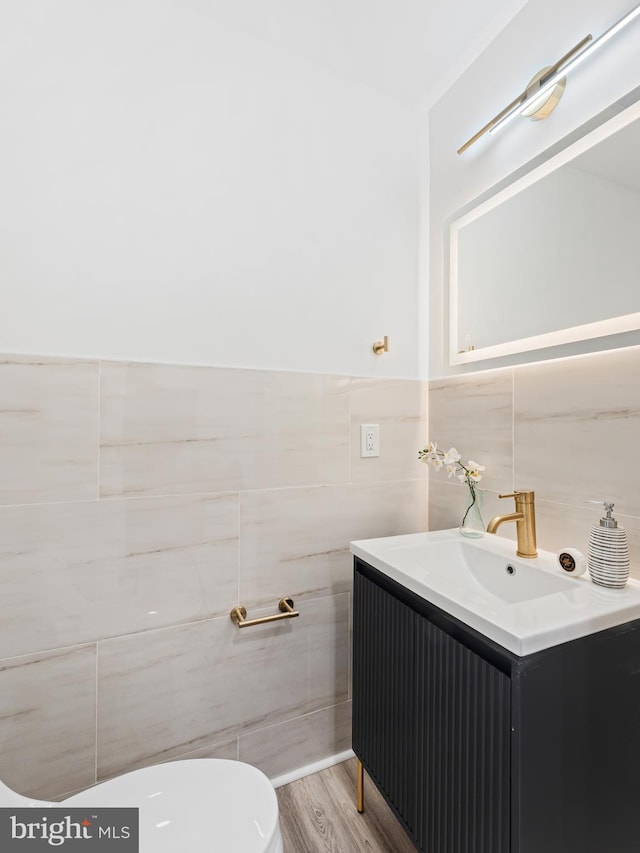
525,495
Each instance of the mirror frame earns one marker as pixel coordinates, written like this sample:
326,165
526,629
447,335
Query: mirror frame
615,118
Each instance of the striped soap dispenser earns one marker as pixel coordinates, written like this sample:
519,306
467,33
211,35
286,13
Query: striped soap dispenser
608,554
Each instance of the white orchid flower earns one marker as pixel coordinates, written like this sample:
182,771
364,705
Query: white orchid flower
450,461
474,471
451,456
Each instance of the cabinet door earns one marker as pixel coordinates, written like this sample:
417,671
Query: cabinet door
383,685
462,747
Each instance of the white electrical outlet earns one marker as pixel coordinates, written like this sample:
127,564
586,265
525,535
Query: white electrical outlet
369,440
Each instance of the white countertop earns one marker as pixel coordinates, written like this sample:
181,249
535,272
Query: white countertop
536,607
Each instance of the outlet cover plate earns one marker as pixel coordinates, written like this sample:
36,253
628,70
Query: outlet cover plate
369,440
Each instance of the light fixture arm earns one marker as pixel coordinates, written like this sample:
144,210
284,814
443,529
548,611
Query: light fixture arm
546,83
524,98
550,78
559,66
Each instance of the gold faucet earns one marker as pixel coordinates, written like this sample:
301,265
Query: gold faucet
525,519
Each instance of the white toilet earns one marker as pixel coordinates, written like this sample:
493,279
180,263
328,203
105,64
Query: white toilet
200,805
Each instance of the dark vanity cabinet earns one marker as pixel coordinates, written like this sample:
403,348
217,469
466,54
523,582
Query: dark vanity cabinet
478,750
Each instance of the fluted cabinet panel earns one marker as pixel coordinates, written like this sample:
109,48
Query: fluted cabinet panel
462,747
431,720
383,720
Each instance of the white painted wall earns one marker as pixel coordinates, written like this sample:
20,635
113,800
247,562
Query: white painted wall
174,190
542,32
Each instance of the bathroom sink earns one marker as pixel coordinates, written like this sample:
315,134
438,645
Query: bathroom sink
525,605
495,569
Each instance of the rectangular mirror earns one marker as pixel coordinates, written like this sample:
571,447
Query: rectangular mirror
553,257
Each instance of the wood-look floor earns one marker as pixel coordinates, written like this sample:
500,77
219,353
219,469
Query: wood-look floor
318,815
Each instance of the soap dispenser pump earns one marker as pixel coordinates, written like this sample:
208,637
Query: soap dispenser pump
608,554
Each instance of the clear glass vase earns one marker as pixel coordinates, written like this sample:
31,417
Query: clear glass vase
472,524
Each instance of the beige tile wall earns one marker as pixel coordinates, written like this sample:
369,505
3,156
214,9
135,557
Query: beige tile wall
138,504
569,429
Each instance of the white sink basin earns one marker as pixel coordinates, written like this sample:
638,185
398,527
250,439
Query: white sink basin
524,605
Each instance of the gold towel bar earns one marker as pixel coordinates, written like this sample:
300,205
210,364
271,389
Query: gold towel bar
285,605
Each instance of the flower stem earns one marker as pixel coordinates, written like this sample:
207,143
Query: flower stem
472,491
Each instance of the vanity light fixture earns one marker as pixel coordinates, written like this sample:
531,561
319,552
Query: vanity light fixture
545,90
